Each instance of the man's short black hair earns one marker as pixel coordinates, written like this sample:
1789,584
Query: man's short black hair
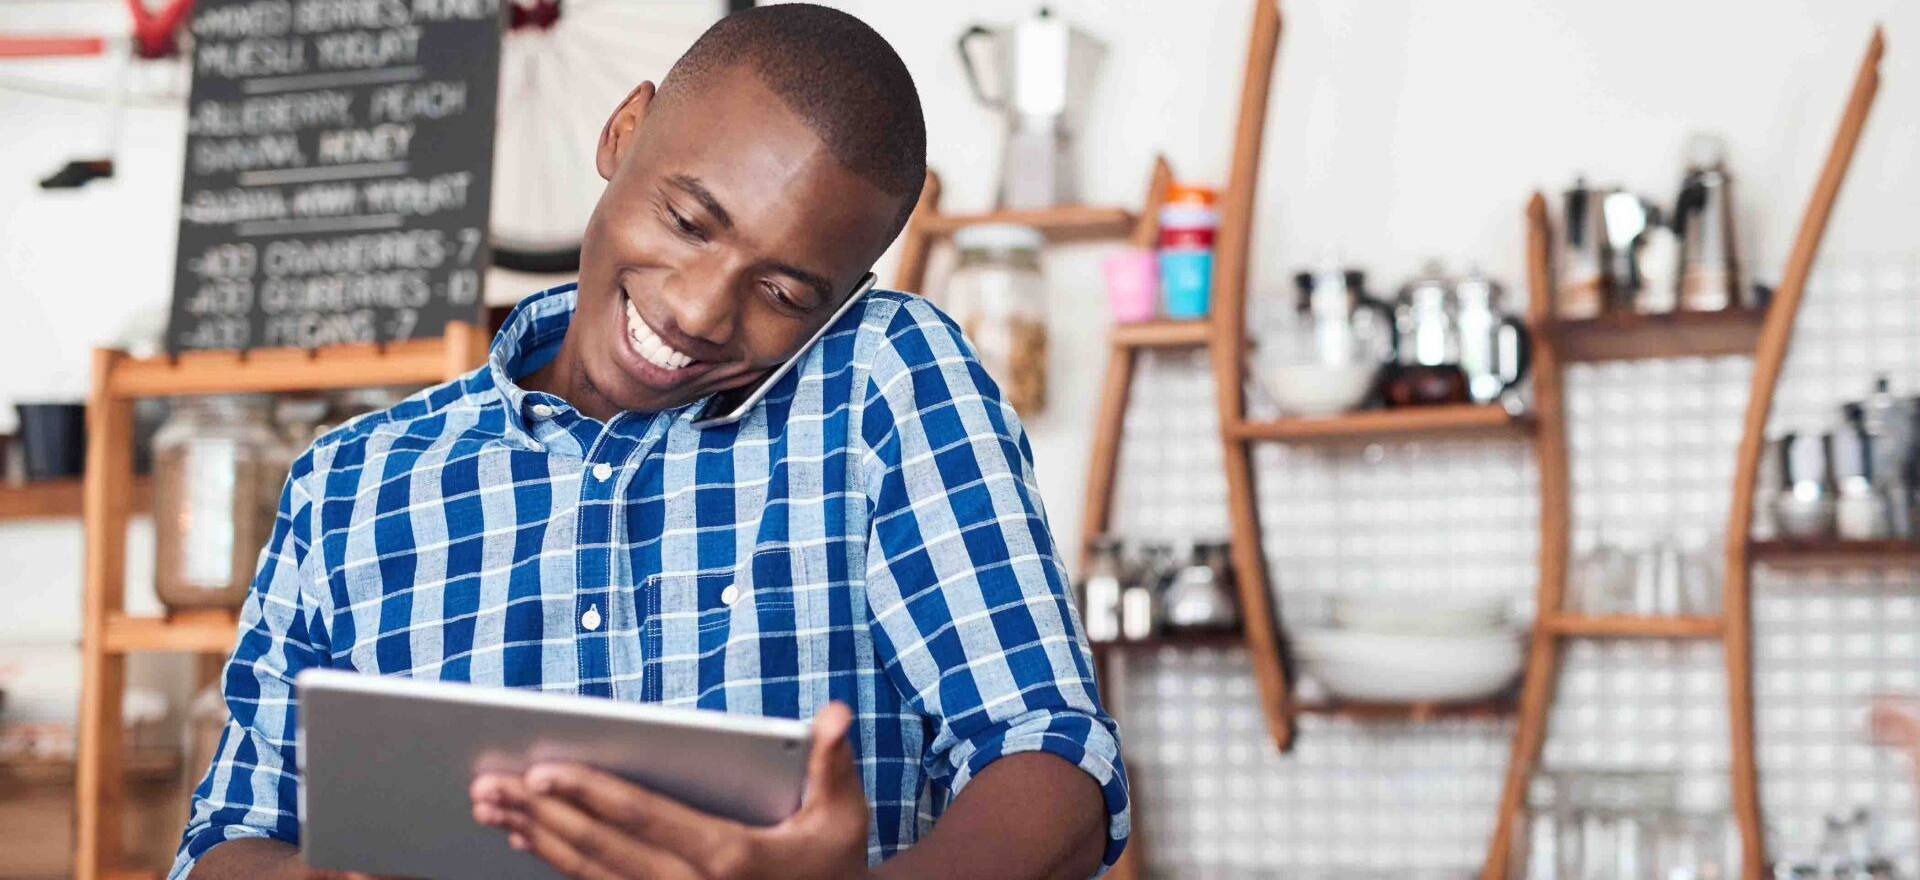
840,77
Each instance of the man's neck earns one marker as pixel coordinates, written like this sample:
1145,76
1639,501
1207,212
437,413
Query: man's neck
565,378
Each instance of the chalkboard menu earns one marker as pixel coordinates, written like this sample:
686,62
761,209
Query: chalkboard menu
339,156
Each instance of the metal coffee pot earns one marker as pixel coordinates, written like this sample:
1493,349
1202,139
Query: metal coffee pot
1495,349
1038,72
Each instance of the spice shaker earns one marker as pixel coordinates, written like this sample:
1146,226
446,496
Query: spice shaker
1100,592
1140,598
1709,266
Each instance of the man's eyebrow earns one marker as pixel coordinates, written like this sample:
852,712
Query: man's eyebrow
693,187
819,283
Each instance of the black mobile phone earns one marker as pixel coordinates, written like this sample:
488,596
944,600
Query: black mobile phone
732,405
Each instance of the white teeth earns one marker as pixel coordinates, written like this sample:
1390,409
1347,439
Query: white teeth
649,345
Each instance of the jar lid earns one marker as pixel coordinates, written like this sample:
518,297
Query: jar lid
1192,194
998,237
1188,217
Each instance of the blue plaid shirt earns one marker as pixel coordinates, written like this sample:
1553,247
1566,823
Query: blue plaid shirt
872,533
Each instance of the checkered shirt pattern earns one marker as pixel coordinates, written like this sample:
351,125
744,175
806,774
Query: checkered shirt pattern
871,533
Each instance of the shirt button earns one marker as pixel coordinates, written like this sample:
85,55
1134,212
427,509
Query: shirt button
730,595
590,621
602,471
542,411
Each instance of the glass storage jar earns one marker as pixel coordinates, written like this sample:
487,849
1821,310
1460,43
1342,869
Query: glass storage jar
998,296
218,469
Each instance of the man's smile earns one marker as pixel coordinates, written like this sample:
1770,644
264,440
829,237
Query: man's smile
648,357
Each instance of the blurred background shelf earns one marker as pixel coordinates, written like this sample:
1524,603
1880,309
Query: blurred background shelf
190,632
1176,640
1636,626
1497,707
138,765
1160,334
1403,421
1836,553
1678,334
1060,224
59,499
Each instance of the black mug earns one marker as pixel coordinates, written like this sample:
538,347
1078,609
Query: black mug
53,439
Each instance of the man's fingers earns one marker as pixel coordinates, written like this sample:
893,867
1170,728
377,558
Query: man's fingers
552,847
656,819
831,775
585,837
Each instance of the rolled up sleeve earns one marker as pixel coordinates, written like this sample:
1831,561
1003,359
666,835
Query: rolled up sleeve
970,605
251,790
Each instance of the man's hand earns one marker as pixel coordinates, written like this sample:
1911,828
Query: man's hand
594,826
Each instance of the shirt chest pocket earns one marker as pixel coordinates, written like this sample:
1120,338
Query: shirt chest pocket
730,639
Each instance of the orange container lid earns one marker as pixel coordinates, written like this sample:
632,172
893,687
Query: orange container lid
1191,194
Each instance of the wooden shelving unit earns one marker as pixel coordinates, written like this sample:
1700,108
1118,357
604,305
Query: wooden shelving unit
186,632
1679,334
60,499
1837,554
1175,640
108,632
1387,424
1667,336
1066,223
1633,626
1498,707
139,766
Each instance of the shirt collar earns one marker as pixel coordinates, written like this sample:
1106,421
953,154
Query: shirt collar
529,340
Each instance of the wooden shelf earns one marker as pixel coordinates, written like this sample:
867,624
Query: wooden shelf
1063,223
265,370
1833,554
1176,640
60,499
139,765
188,632
1635,626
1382,423
1497,707
1161,334
1679,334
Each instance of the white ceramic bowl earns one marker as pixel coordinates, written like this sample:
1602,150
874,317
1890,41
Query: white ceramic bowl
1368,667
1311,389
1421,612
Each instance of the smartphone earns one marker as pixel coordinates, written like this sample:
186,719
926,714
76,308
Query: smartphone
732,405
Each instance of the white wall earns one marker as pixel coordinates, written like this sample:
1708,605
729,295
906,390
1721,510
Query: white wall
1398,131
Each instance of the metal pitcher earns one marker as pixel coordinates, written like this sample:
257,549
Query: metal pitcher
1038,72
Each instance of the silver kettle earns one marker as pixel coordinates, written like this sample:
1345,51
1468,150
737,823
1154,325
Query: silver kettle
1495,348
1202,597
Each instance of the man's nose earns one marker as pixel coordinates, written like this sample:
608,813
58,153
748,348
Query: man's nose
705,305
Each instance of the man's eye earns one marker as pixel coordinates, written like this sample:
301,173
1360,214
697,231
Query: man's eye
686,227
780,296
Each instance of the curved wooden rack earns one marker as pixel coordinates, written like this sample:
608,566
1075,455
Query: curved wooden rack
1667,337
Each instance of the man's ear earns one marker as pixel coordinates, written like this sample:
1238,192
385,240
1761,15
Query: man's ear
617,136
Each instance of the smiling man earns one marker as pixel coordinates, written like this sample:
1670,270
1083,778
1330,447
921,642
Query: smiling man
866,547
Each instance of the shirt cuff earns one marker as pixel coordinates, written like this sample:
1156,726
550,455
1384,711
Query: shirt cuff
1080,740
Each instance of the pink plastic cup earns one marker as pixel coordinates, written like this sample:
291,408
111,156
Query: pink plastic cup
1133,285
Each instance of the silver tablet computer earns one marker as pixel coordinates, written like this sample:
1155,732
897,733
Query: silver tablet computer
385,765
